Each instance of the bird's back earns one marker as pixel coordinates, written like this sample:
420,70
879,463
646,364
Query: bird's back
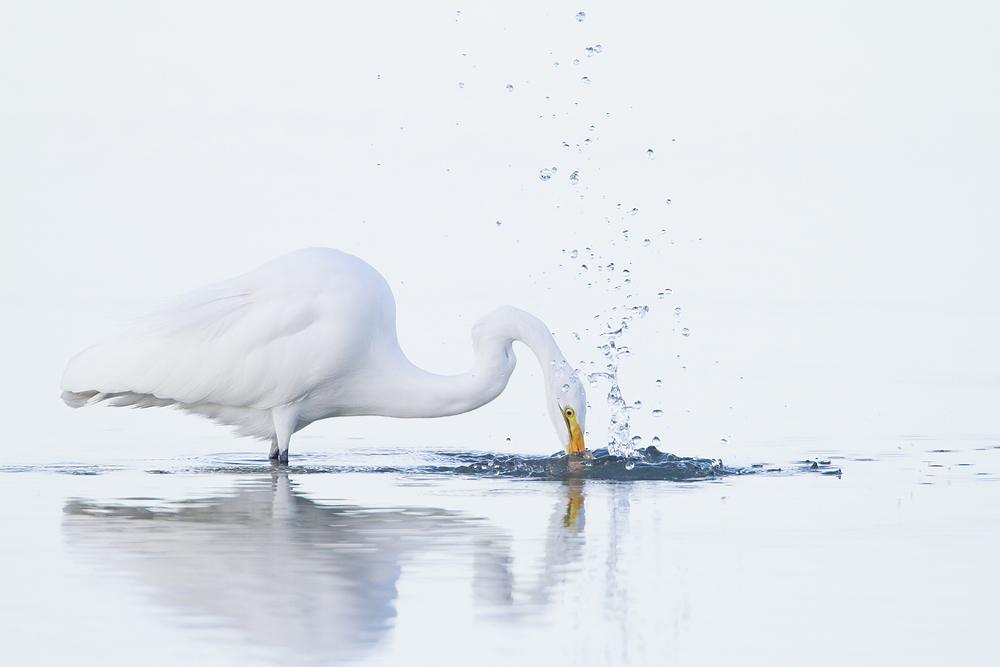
264,339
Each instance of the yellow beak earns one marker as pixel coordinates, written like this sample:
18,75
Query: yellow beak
575,434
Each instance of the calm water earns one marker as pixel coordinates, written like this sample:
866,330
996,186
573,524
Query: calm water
418,557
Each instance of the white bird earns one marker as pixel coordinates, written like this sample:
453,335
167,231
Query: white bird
307,336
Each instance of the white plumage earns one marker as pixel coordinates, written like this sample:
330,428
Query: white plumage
307,336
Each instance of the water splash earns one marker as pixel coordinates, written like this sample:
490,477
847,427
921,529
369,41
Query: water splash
619,436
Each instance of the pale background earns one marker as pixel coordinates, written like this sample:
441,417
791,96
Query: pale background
831,236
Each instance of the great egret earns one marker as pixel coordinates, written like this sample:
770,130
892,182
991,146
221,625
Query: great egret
307,336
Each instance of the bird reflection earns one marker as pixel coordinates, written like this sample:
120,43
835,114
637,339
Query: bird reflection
288,572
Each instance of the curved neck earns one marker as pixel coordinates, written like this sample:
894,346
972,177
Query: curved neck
417,393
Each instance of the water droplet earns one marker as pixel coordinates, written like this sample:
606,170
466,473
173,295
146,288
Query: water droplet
555,64
725,442
657,413
630,463
643,312
592,128
626,272
637,405
576,61
565,145
581,16
510,88
576,336
636,440
658,383
633,211
669,291
499,223
584,267
685,332
660,295
586,142
508,440
461,85
597,49
585,80
592,380
565,388
656,440
650,155
589,51
574,178
546,174
677,311
645,242
573,253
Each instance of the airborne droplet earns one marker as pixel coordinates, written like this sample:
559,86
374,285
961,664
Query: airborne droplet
633,211
656,440
510,88
573,253
574,178
597,49
650,155
585,80
658,383
685,332
461,85
589,51
576,336
546,174
581,16
636,440
657,413
565,388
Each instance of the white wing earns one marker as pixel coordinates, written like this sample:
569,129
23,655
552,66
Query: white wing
261,340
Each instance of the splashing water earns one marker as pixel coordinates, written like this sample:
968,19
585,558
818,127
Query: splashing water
620,442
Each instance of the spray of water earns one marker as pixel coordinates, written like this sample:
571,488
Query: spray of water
620,441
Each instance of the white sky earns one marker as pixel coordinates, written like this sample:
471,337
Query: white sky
832,236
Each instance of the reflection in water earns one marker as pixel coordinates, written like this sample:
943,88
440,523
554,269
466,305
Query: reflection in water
283,569
290,573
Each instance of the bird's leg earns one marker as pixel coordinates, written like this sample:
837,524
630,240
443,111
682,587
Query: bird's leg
286,418
273,453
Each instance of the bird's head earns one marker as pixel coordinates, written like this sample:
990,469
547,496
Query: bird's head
574,428
569,414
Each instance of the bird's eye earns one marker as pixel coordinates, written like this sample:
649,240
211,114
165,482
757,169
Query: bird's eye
569,412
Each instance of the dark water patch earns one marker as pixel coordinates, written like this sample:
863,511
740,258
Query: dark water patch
648,463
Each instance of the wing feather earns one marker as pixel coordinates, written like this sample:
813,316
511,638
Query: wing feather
258,341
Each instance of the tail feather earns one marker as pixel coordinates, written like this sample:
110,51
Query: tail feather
248,421
78,399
